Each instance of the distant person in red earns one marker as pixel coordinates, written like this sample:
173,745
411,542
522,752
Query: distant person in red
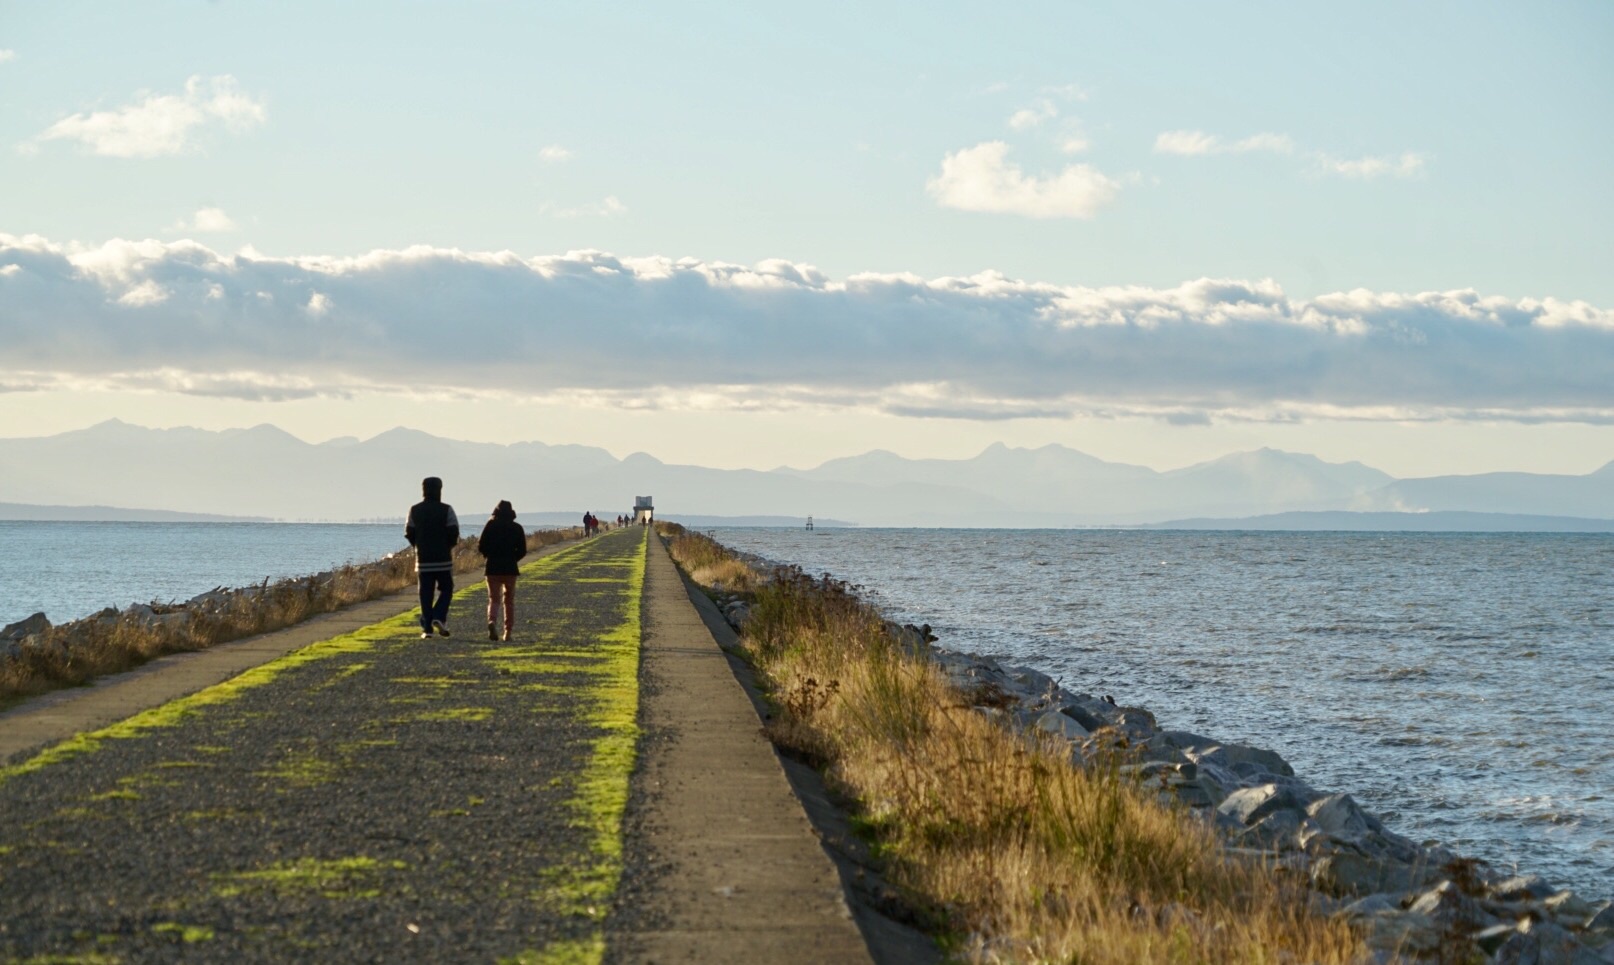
433,530
504,543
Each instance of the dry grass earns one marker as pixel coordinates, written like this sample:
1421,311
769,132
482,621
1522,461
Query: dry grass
76,653
706,562
1013,853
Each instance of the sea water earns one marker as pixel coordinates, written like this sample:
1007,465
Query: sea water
73,569
1461,686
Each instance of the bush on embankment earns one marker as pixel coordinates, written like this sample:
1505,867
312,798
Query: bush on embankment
113,641
1012,852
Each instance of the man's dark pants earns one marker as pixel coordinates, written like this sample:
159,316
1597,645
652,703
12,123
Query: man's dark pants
443,585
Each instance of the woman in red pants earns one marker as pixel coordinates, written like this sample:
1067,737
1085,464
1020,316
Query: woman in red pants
504,543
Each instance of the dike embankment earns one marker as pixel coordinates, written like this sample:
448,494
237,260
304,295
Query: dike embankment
372,796
37,657
1021,821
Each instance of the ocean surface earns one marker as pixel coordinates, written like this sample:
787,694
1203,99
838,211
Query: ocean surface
71,570
1461,686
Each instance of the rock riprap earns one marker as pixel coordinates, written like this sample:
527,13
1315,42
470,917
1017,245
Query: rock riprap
1412,900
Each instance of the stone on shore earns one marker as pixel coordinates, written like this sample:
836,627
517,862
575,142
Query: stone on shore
27,627
1413,901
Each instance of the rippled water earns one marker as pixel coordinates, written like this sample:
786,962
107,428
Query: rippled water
1459,685
70,570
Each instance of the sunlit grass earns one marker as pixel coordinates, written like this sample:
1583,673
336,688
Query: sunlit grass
78,652
1008,850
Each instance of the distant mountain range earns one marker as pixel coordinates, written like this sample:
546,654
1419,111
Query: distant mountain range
1437,522
27,512
265,472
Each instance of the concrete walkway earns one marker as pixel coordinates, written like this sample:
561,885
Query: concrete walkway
734,870
739,874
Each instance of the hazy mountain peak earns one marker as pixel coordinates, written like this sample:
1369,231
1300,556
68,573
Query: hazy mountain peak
262,432
399,434
110,427
1268,457
637,459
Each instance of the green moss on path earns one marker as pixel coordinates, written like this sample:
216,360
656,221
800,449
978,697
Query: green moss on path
374,796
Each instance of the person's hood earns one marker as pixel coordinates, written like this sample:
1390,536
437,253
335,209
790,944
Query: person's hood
504,510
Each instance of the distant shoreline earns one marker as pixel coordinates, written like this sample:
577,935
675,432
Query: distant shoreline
1341,521
1379,522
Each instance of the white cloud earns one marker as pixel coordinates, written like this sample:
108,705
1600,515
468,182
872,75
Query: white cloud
610,207
981,178
1185,142
1073,144
554,154
159,124
1265,141
1069,92
781,335
206,221
1408,165
1190,143
1029,117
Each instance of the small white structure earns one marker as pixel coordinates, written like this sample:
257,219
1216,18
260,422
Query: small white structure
643,513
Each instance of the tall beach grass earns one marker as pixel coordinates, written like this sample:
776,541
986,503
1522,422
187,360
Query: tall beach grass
1006,848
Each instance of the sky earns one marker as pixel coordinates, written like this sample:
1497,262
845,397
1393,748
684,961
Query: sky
750,235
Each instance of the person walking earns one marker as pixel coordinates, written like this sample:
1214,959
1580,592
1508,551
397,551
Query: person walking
504,543
433,530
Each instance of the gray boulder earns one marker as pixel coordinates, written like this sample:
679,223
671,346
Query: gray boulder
1340,816
1250,804
1243,759
1059,724
1490,939
26,627
1543,943
1404,933
1351,873
1372,905
1522,888
1278,831
1030,681
1089,717
1446,904
1569,909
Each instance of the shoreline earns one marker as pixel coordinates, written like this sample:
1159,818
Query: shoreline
1404,895
38,657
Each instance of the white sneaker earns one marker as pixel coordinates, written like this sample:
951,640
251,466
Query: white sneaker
425,634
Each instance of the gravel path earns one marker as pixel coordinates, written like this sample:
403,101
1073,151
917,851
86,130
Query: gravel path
376,797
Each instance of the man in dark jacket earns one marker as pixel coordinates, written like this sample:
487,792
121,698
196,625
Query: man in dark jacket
504,543
433,530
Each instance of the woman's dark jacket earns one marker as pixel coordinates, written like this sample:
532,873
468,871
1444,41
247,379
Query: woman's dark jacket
504,543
